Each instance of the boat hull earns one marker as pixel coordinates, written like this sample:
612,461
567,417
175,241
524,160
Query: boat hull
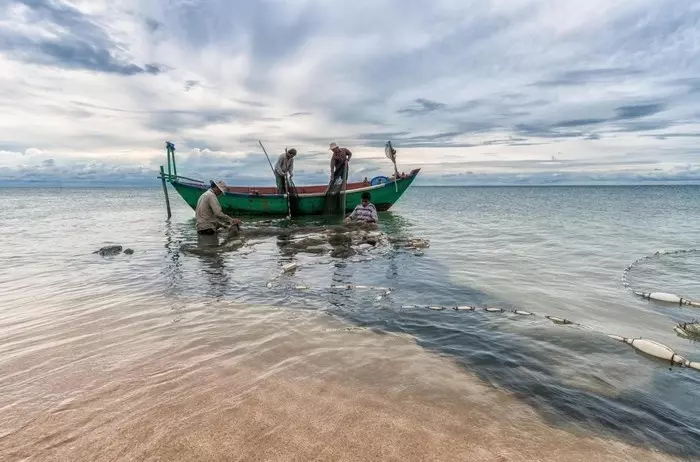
384,196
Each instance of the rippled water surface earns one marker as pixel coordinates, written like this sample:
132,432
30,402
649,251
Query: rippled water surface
182,351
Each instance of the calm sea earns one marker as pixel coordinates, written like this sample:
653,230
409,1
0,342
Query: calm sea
181,351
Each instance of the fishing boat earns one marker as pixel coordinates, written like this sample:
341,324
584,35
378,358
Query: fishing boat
308,200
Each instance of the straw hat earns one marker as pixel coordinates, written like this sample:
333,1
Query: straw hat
221,185
333,146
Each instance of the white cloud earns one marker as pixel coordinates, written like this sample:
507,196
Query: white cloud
470,91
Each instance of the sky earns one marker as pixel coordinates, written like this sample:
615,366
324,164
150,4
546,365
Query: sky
471,92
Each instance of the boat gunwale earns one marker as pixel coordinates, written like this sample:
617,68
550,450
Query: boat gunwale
202,185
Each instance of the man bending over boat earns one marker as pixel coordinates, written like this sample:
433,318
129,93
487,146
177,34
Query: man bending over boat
339,161
365,211
284,166
210,217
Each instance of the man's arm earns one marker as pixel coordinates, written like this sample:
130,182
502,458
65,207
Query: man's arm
348,154
291,166
218,212
332,165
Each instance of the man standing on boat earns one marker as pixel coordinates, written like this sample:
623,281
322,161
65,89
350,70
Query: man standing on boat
339,161
284,166
210,217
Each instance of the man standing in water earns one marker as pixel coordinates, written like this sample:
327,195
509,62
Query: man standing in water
210,217
339,161
284,166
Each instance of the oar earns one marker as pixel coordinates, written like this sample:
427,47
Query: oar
268,157
289,208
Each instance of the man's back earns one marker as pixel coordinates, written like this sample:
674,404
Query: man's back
284,164
204,213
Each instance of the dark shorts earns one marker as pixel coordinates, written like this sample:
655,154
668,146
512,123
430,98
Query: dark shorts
206,231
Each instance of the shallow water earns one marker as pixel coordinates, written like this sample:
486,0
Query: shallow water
182,351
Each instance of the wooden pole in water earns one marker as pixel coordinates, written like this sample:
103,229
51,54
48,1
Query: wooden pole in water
165,191
172,154
167,150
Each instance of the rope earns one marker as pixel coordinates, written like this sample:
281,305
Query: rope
291,268
385,290
658,296
650,347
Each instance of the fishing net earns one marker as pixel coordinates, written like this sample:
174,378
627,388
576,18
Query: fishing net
293,197
333,203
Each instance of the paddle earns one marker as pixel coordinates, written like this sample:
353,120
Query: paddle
268,157
286,179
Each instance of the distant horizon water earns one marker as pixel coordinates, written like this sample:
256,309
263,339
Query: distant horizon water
156,184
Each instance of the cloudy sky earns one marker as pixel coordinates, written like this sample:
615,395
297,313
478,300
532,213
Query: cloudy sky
473,92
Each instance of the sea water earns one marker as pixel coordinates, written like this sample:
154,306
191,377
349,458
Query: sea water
184,351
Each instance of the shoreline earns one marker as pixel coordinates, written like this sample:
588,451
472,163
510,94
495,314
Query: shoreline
234,382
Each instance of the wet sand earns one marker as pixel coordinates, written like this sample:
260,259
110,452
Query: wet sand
152,379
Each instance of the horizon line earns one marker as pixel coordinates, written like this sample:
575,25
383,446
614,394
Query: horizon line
485,185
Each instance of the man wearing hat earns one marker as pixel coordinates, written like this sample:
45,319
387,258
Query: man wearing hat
339,160
208,213
284,165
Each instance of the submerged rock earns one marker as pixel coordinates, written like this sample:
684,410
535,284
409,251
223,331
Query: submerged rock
109,250
316,249
342,252
201,251
413,243
129,251
338,239
233,245
307,245
419,243
303,243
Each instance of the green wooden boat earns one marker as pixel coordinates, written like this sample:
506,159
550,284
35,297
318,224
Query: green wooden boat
309,200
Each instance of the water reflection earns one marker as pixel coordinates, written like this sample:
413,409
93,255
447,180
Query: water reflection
172,271
336,250
537,372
